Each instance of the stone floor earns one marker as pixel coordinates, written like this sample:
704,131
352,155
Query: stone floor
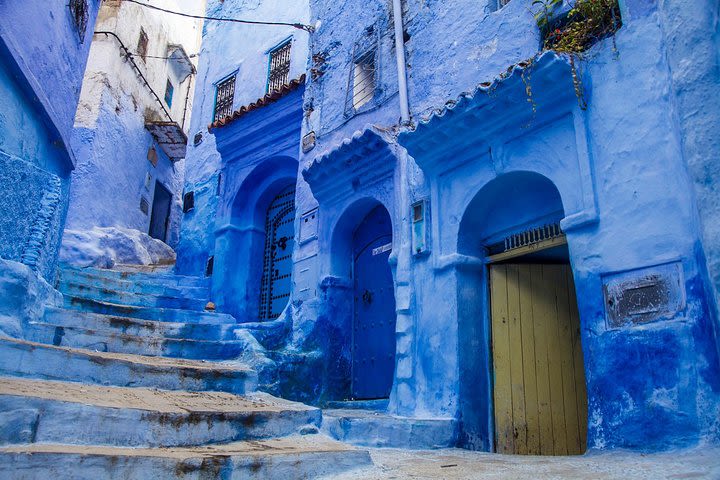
452,464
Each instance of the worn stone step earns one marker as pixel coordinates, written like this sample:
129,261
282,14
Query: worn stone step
153,345
288,458
371,428
170,298
80,414
68,272
147,313
81,279
22,358
139,327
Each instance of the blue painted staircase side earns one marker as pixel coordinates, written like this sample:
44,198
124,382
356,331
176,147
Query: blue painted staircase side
134,363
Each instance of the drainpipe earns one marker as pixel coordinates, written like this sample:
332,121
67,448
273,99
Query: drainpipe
400,57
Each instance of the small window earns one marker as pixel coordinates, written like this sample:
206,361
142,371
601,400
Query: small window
502,3
79,12
197,140
363,84
224,98
142,46
209,266
144,205
188,202
169,89
279,73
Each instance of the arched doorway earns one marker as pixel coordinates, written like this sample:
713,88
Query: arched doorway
536,376
373,330
276,280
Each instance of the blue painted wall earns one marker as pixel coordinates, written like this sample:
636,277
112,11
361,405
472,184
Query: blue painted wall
632,199
42,62
239,50
492,120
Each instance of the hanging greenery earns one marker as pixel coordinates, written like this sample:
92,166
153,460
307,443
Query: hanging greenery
587,22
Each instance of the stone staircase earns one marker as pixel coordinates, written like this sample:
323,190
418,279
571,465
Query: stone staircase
132,378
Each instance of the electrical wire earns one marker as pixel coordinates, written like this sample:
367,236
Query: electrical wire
299,26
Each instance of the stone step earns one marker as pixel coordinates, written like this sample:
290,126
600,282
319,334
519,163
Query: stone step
80,279
152,345
81,414
139,327
170,298
67,273
371,428
21,358
147,313
288,458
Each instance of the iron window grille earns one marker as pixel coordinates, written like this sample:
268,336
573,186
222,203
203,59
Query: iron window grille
142,46
363,81
279,71
169,90
224,98
79,11
502,3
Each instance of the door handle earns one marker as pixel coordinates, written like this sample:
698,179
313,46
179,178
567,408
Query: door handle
367,297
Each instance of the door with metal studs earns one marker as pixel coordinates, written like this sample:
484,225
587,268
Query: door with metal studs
373,335
277,259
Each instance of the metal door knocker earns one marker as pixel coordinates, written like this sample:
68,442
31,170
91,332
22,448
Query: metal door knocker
367,297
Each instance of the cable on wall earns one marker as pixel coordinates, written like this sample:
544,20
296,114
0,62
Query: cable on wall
299,26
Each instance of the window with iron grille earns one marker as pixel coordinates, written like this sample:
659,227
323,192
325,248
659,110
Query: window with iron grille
502,3
142,46
363,79
169,90
279,72
224,97
79,12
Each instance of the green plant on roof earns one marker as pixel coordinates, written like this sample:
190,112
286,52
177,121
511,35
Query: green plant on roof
587,22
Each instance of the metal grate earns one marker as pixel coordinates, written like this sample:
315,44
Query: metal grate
80,14
224,98
363,79
142,46
533,236
279,73
277,260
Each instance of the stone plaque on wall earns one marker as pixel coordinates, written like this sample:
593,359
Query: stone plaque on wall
646,295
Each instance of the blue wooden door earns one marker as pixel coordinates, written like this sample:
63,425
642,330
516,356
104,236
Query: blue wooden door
373,341
277,258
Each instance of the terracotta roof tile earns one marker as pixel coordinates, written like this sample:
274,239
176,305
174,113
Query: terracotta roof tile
261,102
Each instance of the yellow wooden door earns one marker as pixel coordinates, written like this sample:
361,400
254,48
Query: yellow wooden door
539,377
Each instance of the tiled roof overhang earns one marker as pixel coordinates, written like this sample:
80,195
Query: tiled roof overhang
528,94
271,97
364,159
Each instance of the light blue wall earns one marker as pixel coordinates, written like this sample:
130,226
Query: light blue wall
42,62
229,49
620,167
113,167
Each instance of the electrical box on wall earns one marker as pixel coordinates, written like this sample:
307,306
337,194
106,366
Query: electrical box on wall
420,216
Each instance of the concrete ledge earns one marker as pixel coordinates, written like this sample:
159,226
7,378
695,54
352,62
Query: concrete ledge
78,414
288,458
375,429
21,358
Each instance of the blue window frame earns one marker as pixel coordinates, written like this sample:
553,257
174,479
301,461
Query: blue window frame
169,90
279,66
224,98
